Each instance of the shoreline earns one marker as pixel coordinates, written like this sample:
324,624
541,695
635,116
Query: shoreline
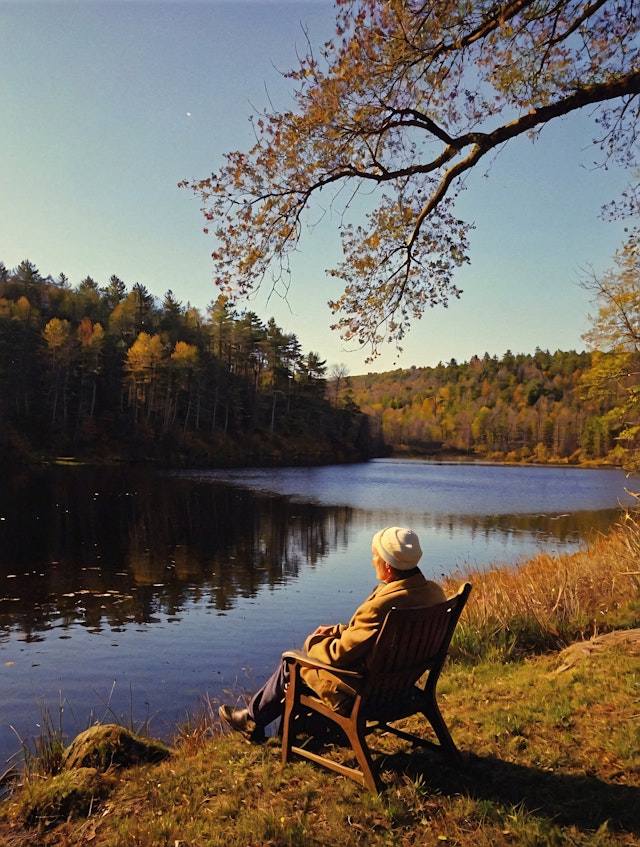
528,696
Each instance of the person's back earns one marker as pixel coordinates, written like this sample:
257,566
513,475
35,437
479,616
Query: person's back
396,552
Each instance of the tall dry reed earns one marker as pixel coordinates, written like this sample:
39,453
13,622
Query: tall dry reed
548,602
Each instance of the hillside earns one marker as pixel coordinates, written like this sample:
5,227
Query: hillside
103,373
521,407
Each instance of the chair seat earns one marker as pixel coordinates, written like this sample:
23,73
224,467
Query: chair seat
398,710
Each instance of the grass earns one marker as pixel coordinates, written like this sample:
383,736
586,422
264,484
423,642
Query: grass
551,747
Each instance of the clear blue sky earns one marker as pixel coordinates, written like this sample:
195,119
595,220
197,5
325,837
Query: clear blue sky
107,105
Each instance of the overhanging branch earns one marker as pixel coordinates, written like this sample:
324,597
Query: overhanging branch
485,142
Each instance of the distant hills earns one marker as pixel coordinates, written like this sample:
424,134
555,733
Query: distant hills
516,408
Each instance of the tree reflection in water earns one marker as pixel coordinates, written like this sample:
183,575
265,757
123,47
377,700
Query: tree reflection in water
112,547
108,547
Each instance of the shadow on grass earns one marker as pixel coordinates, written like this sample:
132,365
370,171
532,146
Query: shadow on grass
577,800
566,799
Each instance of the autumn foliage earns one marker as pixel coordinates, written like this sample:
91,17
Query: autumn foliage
105,373
389,117
519,407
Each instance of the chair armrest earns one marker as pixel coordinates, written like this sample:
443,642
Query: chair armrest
301,658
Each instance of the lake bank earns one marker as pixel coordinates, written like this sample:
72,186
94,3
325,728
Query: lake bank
549,747
320,458
498,458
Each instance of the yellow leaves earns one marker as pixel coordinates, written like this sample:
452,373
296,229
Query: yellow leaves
252,256
185,354
98,334
56,333
22,308
145,353
148,352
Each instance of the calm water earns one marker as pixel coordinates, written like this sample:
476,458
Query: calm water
131,594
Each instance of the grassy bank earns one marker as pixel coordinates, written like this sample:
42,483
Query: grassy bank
550,736
549,602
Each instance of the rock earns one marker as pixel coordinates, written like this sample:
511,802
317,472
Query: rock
627,639
110,745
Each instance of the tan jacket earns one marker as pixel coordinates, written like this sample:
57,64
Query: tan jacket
347,646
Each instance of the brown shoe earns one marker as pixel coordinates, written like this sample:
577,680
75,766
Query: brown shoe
238,719
241,721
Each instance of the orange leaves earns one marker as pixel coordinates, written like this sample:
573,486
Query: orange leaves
401,106
89,334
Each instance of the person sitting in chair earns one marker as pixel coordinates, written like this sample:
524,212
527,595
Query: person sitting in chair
396,553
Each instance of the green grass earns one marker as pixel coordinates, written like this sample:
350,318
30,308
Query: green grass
551,757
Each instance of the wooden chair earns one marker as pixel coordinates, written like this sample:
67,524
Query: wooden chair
411,642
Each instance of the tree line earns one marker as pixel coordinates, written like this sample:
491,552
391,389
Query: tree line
536,407
106,372
101,372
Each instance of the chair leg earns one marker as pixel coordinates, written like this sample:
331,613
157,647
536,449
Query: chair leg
286,728
353,729
356,737
432,713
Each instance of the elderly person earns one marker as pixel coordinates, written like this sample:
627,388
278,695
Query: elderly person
396,553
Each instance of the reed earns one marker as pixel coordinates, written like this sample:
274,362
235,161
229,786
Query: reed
549,602
41,754
199,728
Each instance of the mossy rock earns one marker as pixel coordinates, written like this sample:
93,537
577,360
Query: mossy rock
109,745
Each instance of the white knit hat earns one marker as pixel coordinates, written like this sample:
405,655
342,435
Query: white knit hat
398,546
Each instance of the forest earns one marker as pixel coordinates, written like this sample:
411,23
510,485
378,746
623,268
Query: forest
537,407
110,374
104,373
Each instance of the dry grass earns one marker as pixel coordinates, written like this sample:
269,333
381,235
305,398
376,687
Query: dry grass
549,602
549,761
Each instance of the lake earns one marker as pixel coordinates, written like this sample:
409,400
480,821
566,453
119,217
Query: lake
130,594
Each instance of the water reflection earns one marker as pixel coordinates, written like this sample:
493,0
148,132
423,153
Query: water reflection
112,547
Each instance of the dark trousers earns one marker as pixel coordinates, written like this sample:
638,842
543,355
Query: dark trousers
267,704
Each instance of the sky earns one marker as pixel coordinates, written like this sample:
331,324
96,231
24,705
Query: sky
106,106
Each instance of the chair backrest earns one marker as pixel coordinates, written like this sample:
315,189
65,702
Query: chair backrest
411,641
